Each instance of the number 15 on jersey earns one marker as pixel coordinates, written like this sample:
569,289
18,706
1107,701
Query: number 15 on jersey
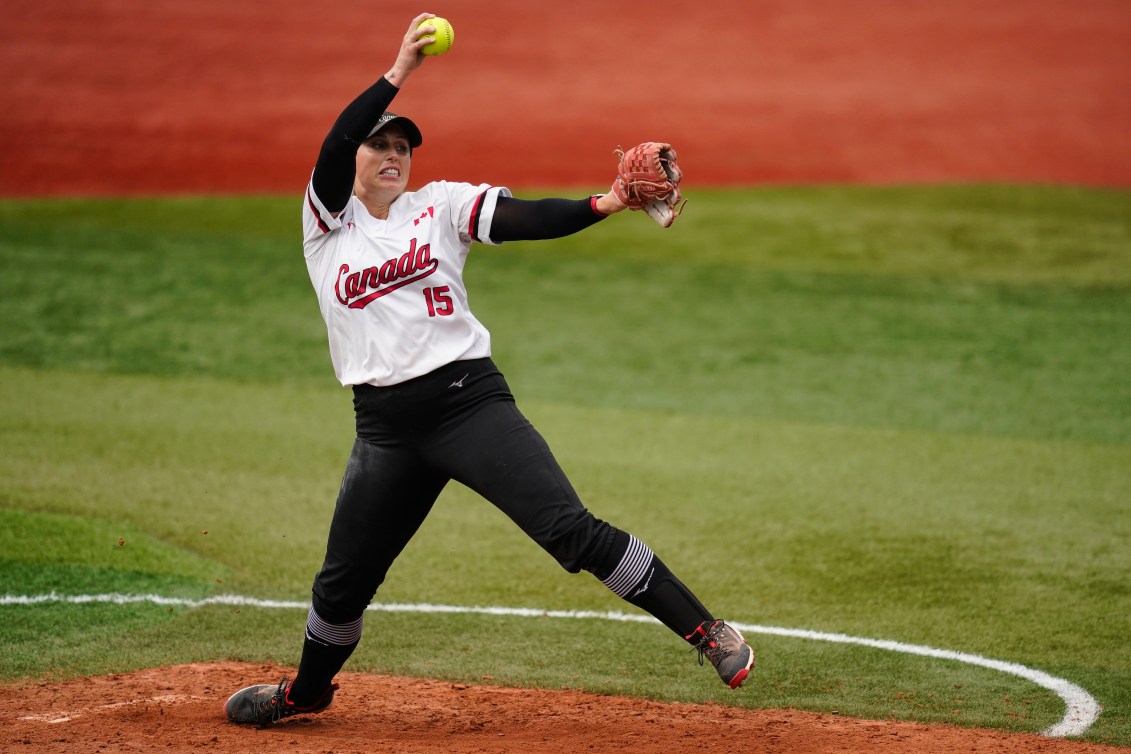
438,300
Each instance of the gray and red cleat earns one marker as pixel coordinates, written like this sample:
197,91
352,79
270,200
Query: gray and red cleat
265,703
727,650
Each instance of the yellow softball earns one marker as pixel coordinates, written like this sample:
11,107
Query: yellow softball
441,40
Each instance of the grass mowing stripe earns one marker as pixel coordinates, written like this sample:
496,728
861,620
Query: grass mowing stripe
967,309
1081,708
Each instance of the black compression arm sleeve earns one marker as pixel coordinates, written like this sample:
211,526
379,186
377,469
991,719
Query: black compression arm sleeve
534,219
334,171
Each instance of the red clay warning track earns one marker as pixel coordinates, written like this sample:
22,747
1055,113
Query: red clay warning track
137,97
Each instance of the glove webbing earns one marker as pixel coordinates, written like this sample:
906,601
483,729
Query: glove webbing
637,165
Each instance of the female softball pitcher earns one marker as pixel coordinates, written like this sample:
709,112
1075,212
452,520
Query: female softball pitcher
430,405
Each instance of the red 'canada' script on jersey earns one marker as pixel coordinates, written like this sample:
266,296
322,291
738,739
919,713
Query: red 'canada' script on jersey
358,289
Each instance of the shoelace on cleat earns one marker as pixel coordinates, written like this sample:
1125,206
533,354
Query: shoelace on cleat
273,708
715,652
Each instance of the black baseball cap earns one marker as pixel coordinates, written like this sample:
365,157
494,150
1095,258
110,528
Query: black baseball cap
410,129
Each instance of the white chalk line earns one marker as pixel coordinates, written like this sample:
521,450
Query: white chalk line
1080,708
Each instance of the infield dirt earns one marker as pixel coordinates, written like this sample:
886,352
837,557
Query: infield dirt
181,709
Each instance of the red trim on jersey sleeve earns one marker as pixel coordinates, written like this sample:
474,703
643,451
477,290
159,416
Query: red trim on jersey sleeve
476,214
317,215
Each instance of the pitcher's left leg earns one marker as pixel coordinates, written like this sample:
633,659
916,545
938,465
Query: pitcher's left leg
499,454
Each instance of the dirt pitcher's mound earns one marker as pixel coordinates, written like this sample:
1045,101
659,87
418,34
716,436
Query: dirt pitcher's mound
181,709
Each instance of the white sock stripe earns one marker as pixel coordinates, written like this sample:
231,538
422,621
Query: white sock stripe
631,568
342,634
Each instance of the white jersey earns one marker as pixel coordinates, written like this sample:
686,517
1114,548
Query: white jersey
391,291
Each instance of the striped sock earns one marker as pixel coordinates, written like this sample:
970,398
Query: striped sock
642,579
325,650
342,634
635,568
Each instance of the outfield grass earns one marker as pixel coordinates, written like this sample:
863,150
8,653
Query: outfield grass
893,413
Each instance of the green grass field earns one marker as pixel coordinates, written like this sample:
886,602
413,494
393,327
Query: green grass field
899,414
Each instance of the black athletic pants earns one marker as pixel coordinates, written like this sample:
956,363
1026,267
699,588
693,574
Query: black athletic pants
459,422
